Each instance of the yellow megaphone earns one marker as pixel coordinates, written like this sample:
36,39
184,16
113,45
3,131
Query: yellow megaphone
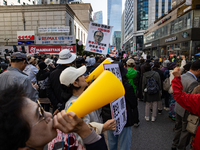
97,71
105,89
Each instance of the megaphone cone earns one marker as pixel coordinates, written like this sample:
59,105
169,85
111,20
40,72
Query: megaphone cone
105,89
97,71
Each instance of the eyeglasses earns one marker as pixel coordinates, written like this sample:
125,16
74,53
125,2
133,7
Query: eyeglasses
41,113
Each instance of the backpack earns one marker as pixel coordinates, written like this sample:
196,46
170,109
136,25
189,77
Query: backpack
152,86
166,84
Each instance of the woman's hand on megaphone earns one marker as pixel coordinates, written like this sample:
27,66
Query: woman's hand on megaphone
109,125
70,122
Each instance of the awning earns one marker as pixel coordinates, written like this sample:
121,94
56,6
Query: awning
197,54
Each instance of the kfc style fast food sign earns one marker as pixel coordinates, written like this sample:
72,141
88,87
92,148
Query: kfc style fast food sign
51,49
25,35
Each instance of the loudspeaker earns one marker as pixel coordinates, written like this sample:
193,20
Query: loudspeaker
105,89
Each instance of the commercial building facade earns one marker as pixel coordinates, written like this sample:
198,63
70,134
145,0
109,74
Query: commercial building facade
176,33
139,15
98,17
31,17
122,29
117,39
17,2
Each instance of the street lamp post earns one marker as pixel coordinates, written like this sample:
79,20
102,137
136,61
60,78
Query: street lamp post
6,39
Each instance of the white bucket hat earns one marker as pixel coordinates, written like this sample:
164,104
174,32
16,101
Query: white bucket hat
66,57
70,74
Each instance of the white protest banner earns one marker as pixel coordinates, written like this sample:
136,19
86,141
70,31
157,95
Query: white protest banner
118,107
98,38
56,39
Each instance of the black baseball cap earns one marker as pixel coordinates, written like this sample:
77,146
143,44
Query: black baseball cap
80,60
19,56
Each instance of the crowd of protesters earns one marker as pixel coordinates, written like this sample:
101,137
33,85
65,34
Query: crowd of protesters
30,83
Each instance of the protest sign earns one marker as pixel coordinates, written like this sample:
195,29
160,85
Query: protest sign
98,38
118,107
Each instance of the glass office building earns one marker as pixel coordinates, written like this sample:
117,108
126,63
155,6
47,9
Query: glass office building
114,13
117,39
142,14
98,17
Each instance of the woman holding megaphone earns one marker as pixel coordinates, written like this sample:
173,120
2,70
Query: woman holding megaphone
73,85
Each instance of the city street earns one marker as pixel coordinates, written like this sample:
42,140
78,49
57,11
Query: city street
156,135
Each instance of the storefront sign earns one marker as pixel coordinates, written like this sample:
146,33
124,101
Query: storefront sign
188,2
185,34
70,39
54,29
171,39
51,49
186,9
196,22
25,35
148,45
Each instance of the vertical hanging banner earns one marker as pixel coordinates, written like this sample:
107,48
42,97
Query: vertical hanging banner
98,38
118,107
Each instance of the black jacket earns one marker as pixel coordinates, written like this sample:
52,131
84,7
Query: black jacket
54,90
42,79
131,104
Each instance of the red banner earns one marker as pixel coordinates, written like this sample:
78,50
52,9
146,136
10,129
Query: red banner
51,49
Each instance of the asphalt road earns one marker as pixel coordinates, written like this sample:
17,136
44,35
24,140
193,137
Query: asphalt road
156,135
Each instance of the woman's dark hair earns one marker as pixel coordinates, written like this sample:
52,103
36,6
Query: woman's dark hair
67,91
156,65
141,61
147,67
14,129
195,65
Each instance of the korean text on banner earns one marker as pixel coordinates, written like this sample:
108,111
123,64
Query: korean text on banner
98,38
118,107
51,49
56,39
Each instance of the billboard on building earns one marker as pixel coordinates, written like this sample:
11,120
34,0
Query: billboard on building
98,38
51,49
56,39
53,29
25,37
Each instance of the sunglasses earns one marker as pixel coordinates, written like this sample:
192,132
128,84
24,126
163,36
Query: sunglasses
41,114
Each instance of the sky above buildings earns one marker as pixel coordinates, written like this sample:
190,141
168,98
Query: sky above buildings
101,5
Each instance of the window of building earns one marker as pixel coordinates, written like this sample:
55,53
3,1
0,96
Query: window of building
4,2
75,30
81,36
18,1
78,33
70,27
24,3
33,2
